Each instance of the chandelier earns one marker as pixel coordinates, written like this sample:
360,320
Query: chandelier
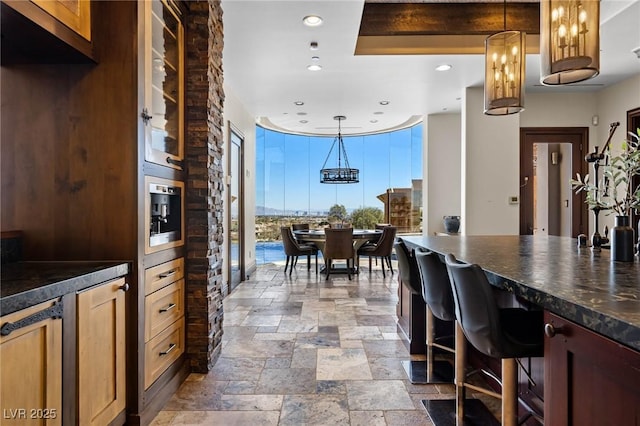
504,72
341,174
569,41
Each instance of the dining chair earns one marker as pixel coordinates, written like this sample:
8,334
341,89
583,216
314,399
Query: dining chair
293,249
300,226
338,245
381,248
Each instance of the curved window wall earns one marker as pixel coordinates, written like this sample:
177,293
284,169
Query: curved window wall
288,188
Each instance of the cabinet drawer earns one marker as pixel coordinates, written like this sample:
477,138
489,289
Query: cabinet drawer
162,308
159,276
162,351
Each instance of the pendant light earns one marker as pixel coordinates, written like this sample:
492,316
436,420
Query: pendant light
569,41
343,173
504,72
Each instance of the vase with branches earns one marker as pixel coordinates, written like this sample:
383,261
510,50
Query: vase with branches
615,192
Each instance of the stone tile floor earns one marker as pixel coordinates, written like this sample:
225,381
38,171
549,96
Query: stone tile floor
300,350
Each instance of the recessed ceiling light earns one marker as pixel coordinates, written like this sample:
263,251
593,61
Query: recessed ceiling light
315,58
378,113
384,102
443,67
301,113
313,45
299,103
314,67
304,121
312,20
373,121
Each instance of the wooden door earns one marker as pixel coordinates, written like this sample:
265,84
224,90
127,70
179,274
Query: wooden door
588,379
31,370
101,353
578,138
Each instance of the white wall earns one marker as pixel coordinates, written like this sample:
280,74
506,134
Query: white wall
441,143
490,169
235,113
578,109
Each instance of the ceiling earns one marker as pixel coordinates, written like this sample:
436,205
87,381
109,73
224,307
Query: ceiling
267,51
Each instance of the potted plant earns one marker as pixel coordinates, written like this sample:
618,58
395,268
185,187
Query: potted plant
616,194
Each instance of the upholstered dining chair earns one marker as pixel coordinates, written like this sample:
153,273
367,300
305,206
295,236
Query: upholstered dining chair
381,248
293,249
338,245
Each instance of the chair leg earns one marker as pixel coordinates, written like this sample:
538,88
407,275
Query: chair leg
370,264
382,263
316,263
286,264
429,339
509,392
389,263
328,268
308,262
349,268
294,260
461,358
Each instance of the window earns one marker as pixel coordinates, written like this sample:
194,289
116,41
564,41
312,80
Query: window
288,187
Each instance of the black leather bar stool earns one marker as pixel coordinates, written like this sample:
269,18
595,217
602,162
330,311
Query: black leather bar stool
503,333
436,292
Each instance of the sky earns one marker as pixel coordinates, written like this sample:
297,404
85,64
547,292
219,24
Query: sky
288,169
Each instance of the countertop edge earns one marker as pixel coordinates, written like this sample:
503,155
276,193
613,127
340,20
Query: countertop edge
16,302
620,331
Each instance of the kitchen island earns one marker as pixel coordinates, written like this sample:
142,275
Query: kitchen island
592,318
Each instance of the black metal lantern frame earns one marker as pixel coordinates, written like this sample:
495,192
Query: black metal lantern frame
342,173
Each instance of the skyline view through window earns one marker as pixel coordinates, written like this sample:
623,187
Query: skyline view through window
288,170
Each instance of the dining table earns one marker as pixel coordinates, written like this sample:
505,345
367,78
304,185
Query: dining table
317,237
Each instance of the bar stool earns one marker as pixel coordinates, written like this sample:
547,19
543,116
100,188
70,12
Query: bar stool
438,299
502,333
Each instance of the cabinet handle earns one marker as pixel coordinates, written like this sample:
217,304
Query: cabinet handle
167,274
145,116
124,287
54,312
171,347
551,331
174,162
168,308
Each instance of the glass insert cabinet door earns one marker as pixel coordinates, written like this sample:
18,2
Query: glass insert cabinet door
163,112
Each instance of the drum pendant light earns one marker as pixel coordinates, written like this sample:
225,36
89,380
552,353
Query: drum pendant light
504,73
343,173
569,41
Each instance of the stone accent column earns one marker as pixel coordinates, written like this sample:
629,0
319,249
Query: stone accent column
204,98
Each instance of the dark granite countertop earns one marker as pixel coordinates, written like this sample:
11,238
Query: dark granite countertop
581,285
24,284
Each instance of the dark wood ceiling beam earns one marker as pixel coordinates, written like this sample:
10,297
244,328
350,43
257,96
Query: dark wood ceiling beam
442,28
401,19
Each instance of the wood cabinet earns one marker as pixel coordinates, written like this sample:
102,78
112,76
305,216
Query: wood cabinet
75,14
588,379
47,31
164,318
31,369
411,311
163,64
101,353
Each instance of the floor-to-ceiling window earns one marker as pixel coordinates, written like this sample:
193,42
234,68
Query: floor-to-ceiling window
288,187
